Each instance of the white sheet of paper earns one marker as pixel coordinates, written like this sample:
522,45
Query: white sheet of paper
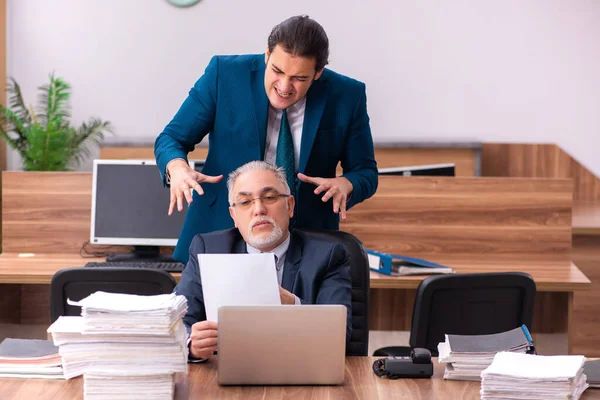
237,280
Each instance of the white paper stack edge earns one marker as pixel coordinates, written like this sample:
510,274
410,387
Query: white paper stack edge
124,345
531,377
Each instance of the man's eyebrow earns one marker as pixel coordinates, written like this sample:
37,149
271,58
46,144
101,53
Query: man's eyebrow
277,69
263,190
268,189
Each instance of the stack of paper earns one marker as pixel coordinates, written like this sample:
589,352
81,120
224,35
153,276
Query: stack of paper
525,376
467,355
146,315
124,344
30,358
592,370
154,387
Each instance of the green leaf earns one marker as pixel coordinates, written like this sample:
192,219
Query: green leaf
45,139
53,99
11,123
16,103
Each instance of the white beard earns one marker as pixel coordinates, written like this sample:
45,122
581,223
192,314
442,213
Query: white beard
264,241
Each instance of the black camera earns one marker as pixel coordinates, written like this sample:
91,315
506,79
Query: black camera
417,365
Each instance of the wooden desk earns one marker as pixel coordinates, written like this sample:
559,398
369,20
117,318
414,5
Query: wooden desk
586,254
466,155
556,283
586,218
29,268
201,383
517,224
549,276
27,278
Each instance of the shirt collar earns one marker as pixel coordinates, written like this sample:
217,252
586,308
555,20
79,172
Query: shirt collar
295,109
279,251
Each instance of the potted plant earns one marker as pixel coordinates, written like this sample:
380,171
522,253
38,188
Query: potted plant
43,136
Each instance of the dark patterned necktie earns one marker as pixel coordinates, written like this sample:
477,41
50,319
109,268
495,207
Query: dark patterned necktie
285,152
285,158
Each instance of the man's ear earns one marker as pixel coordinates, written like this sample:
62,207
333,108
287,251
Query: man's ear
291,203
232,214
318,74
267,54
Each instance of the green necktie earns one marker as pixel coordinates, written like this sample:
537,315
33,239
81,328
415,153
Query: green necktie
285,152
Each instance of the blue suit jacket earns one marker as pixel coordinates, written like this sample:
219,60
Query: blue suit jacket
229,104
316,271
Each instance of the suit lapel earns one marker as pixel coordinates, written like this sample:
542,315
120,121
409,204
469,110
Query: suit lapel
239,246
292,262
261,102
316,98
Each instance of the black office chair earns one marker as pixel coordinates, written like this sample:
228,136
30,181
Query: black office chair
78,283
359,269
467,304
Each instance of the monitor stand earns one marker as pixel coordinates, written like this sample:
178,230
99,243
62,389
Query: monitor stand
141,254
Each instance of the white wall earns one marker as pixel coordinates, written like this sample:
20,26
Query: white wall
489,70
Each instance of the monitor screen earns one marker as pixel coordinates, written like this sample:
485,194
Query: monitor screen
130,204
420,170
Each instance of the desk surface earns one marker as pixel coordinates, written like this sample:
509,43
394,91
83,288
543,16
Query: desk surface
549,276
586,218
201,382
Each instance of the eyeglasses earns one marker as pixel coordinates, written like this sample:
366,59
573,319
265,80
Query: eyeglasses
266,200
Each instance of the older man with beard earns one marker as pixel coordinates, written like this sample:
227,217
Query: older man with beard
310,270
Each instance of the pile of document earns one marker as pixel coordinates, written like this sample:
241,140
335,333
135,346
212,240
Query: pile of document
525,376
124,345
592,370
29,358
467,355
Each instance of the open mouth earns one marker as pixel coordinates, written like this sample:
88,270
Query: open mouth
285,95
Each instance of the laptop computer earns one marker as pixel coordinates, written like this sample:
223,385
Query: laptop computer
282,345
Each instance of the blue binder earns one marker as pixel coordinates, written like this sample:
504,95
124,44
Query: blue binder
394,264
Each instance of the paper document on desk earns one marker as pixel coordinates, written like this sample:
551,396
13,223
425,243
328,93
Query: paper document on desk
237,280
531,377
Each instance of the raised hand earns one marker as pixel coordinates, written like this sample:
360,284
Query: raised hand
338,188
182,179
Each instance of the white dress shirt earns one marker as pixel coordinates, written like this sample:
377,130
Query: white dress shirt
280,253
295,116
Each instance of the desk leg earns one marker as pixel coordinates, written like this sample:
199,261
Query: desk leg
24,311
570,323
391,309
25,304
10,301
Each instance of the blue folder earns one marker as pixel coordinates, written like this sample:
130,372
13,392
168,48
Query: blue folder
395,264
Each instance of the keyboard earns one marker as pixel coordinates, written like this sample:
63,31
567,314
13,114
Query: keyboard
167,266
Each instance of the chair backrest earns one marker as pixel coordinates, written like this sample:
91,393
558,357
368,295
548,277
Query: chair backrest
470,304
78,283
359,270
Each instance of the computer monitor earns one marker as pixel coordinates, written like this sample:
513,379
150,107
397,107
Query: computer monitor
420,170
129,208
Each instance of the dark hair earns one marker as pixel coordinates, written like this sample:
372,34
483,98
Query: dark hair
302,37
